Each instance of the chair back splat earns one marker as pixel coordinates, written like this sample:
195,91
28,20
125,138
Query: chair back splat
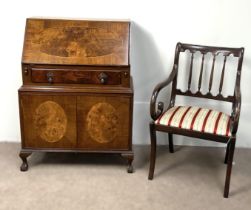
215,51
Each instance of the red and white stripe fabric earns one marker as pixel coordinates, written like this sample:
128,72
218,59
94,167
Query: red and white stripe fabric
197,119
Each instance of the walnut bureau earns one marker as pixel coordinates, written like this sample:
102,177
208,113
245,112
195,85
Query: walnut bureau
77,92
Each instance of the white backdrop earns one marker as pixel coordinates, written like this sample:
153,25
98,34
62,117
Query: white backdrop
156,28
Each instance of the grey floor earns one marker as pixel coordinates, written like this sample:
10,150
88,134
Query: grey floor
191,178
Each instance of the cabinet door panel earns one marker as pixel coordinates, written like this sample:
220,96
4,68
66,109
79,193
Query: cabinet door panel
104,122
48,121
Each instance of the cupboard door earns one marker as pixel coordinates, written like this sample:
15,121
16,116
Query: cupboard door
104,122
48,121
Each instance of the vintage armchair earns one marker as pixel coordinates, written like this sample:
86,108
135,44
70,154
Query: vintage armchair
194,121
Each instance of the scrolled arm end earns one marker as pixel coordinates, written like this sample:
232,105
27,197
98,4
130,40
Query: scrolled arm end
156,113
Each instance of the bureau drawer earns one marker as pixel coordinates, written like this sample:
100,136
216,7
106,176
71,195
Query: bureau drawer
105,77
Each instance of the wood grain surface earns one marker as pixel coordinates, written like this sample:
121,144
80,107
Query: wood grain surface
104,122
75,76
49,121
85,42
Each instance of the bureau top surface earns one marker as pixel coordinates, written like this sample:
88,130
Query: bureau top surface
76,42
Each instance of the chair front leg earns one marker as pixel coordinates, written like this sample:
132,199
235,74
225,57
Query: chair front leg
153,150
227,153
170,138
229,166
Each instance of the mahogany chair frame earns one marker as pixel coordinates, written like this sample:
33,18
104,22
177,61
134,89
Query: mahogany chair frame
235,99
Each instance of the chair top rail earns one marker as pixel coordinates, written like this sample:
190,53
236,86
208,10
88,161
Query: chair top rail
225,51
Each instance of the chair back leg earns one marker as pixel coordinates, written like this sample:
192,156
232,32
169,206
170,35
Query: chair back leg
153,150
170,138
229,166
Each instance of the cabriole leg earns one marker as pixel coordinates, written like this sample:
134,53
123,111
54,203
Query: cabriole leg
129,157
23,155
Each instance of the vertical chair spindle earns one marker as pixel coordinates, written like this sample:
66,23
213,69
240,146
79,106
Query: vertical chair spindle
222,74
211,75
201,72
190,73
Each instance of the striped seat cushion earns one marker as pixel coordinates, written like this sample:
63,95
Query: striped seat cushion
196,119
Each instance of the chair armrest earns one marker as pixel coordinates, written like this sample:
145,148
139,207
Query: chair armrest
155,114
236,108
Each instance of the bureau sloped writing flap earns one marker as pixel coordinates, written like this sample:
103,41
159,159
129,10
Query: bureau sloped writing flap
76,42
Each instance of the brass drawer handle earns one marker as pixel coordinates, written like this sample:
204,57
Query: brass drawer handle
103,78
50,76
